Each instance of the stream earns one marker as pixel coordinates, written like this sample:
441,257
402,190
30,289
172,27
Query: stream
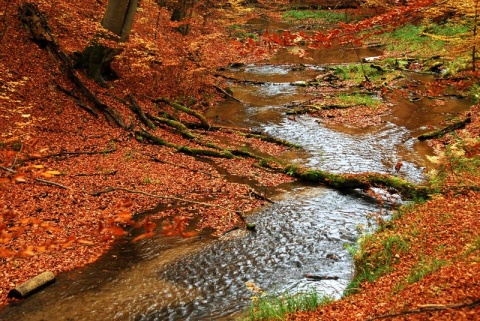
303,233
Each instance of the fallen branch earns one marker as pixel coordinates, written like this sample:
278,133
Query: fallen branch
242,81
446,130
36,179
112,189
50,183
155,159
63,153
321,277
428,308
223,91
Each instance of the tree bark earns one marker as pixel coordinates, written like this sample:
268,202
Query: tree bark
119,17
96,58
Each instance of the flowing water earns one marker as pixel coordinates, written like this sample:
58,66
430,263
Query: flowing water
303,233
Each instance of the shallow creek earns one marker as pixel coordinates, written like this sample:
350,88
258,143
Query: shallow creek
303,233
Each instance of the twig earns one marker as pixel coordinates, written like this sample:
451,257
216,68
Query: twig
223,91
37,179
8,169
426,308
155,159
50,183
108,151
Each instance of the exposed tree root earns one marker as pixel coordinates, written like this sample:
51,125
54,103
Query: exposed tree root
137,110
36,23
173,123
184,149
184,109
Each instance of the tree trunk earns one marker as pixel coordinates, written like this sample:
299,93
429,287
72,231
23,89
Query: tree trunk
96,58
119,17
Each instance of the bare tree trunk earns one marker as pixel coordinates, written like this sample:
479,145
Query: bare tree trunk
119,17
96,58
475,21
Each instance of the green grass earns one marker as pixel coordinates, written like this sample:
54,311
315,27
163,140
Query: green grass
320,15
238,31
455,163
448,29
374,256
414,39
357,72
359,99
424,268
273,307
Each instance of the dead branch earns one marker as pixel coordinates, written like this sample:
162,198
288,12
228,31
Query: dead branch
173,198
51,183
8,169
226,93
36,179
428,308
155,159
64,153
446,130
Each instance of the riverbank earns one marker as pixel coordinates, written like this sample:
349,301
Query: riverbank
424,264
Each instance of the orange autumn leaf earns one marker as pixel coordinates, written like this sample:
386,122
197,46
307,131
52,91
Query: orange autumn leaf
149,226
28,251
85,242
143,236
20,177
124,217
116,231
127,202
53,172
5,253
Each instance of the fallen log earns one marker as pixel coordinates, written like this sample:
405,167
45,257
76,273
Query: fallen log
362,181
33,285
445,130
